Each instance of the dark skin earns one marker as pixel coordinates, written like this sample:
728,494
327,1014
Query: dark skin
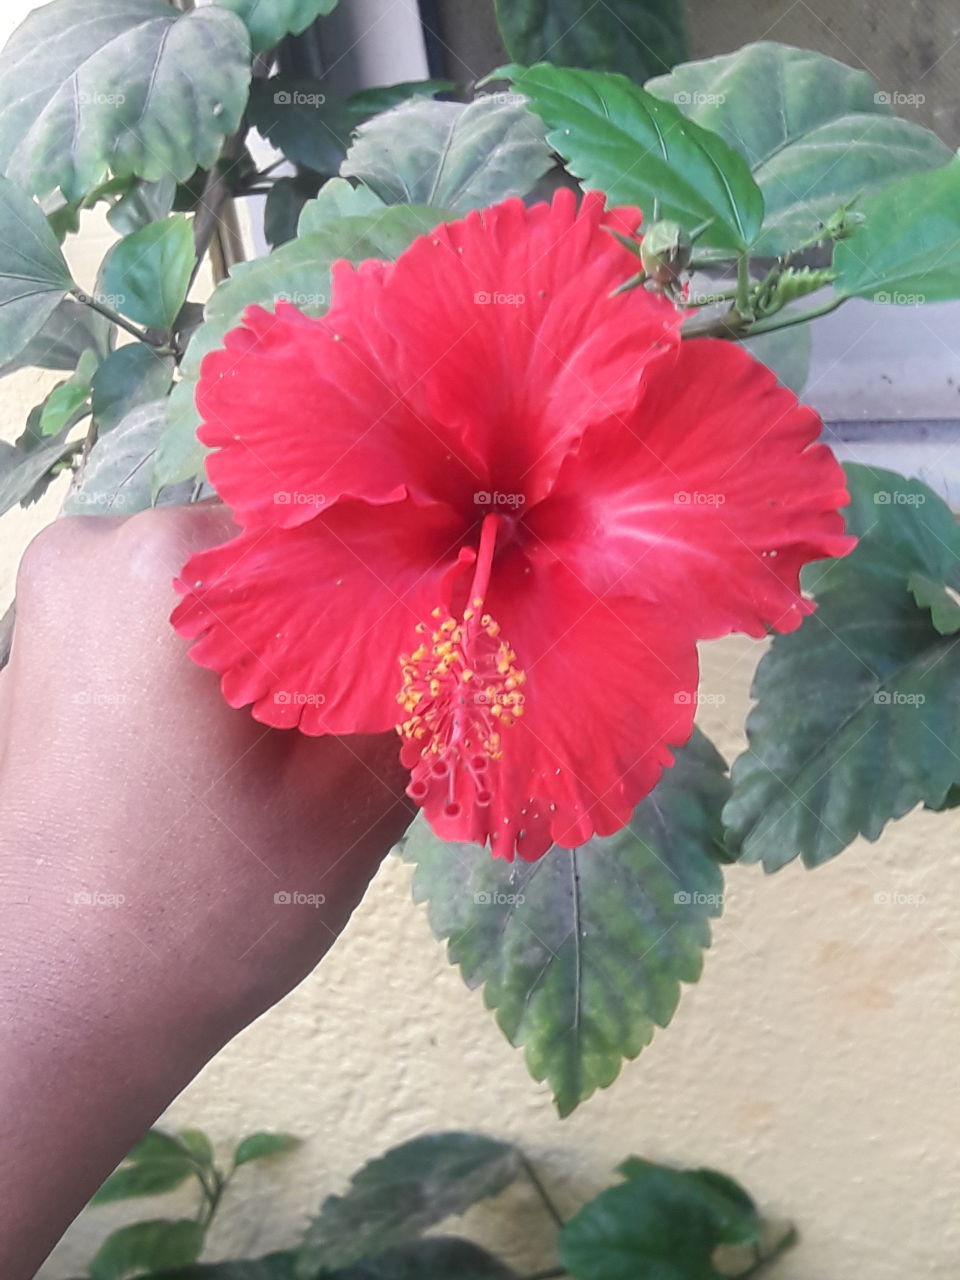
145,829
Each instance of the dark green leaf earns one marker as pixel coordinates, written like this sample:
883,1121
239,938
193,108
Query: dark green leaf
622,140
21,469
582,953
438,1258
907,250
450,155
282,209
129,376
298,272
639,38
149,1178
33,273
70,329
147,1246
260,1145
816,133
143,203
662,1224
268,21
396,1197
137,88
858,713
116,478
148,272
274,1266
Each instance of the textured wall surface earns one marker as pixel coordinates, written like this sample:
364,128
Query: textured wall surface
816,1061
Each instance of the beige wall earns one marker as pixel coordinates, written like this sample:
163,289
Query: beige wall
816,1061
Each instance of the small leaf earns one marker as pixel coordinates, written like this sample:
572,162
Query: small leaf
148,272
148,1178
67,402
147,1246
450,155
661,1222
858,712
258,1146
581,954
907,250
639,149
268,21
198,1144
116,479
396,1197
338,198
89,86
816,133
941,598
33,272
639,38
22,469
141,204
129,376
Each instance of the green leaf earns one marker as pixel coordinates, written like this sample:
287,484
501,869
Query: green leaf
312,128
437,1258
129,376
619,139
338,198
298,272
858,712
941,598
450,155
660,1223
33,272
258,1146
92,86
815,132
198,1144
148,1178
786,352
149,271
147,1246
268,21
639,38
116,478
143,203
282,208
71,329
907,250
396,1197
21,469
582,953
274,1266
64,405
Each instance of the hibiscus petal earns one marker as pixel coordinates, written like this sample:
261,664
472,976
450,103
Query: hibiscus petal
609,691
708,498
308,624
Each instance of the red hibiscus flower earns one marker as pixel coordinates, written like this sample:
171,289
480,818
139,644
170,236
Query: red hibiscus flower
487,503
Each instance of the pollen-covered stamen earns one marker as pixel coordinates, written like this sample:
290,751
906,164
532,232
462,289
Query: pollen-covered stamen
461,688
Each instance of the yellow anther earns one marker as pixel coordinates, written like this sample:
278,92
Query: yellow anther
466,675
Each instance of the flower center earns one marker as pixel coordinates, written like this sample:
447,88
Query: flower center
461,687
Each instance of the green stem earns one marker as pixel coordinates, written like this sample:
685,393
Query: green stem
212,1195
117,319
544,1198
772,325
743,284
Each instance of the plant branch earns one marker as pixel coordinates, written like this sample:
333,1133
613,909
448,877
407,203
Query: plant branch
140,334
542,1193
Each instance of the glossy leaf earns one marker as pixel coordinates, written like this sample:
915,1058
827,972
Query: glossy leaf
33,272
268,21
396,1197
259,1146
148,272
661,1223
147,1246
116,478
816,133
640,38
858,713
449,155
907,250
619,139
89,87
582,953
129,376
